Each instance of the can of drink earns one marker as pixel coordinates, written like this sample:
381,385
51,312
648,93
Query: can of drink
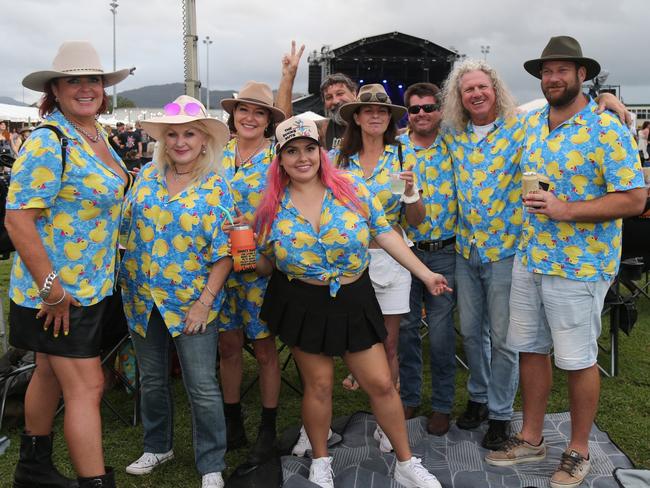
529,182
242,245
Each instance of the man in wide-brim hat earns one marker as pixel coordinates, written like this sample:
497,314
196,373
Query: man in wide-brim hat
559,284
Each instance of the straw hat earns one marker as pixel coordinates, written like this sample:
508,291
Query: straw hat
181,111
295,128
74,58
373,94
562,48
255,93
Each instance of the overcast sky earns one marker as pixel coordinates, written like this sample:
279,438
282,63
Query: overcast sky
250,36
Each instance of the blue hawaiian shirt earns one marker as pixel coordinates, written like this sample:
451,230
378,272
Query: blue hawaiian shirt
80,217
340,248
584,158
488,185
379,180
435,175
171,245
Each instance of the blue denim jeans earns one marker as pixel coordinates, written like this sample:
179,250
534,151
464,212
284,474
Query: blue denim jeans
442,340
484,307
198,358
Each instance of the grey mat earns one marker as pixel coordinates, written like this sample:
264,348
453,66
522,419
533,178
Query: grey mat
456,458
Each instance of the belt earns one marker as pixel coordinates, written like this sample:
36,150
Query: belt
434,245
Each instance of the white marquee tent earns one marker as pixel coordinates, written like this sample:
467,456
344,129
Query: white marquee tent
15,113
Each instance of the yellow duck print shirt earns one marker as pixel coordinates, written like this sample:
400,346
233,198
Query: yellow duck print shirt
171,245
80,217
584,158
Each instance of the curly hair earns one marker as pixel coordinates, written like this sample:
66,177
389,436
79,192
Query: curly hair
453,112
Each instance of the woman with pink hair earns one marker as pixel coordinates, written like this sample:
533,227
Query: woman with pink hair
316,223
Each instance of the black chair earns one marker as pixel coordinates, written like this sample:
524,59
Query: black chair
7,381
288,359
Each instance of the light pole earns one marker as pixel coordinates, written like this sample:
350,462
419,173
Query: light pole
207,41
113,5
485,50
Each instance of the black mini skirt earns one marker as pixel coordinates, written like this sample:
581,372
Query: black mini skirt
306,316
83,341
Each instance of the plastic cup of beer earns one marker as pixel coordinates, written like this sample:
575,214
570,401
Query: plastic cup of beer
242,248
529,183
397,184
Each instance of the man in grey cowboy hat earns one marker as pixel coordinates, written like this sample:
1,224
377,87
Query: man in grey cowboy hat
569,251
336,90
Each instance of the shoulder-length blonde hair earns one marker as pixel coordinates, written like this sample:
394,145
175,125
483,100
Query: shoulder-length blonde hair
453,112
210,162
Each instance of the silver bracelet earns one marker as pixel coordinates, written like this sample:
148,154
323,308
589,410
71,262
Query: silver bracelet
57,302
210,290
411,199
47,285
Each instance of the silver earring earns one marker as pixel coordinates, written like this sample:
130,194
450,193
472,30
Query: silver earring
56,99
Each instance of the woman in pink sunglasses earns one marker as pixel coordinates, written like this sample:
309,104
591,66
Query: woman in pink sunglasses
175,265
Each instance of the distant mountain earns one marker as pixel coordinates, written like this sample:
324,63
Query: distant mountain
158,95
11,101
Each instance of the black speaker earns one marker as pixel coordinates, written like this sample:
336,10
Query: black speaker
314,79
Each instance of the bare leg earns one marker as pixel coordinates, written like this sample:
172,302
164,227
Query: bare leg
535,380
82,383
269,366
371,370
584,390
230,364
42,398
391,323
317,373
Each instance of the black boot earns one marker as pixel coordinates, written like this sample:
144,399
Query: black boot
35,468
264,448
235,431
104,481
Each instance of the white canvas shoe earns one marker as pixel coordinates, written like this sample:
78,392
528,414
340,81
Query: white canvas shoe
412,474
303,445
146,463
212,480
380,436
320,472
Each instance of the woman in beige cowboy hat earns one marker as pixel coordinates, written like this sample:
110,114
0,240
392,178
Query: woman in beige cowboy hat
64,200
252,119
369,150
174,267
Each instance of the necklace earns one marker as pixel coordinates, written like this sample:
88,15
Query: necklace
92,138
243,161
177,175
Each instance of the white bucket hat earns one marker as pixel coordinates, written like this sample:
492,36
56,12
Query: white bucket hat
74,58
181,111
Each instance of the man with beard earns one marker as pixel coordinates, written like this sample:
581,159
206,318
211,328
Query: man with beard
569,251
433,240
336,90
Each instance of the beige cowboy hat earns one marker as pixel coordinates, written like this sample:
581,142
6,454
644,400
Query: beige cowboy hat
562,48
74,58
181,111
372,94
255,93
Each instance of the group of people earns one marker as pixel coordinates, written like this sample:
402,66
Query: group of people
12,140
358,229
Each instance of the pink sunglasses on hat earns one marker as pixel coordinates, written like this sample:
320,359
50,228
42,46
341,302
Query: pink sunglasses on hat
190,108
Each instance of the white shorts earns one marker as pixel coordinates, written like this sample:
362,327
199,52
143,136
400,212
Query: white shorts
391,281
550,311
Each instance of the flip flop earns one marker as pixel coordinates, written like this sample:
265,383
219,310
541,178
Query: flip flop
350,383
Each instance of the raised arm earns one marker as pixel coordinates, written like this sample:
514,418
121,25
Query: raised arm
289,69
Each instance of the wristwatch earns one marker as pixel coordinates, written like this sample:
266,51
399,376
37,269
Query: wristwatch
44,292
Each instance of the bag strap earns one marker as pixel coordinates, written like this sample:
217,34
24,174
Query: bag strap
400,156
63,140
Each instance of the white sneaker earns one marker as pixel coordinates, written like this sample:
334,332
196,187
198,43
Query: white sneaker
212,480
380,436
303,445
412,474
320,472
148,461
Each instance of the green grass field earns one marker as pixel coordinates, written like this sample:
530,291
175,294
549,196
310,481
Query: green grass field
624,413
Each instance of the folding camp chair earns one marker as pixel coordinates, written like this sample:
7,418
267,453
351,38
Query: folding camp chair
7,380
284,364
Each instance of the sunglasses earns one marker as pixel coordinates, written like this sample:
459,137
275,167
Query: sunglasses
190,108
427,107
374,97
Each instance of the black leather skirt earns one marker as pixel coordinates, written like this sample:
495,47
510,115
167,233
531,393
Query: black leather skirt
83,341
